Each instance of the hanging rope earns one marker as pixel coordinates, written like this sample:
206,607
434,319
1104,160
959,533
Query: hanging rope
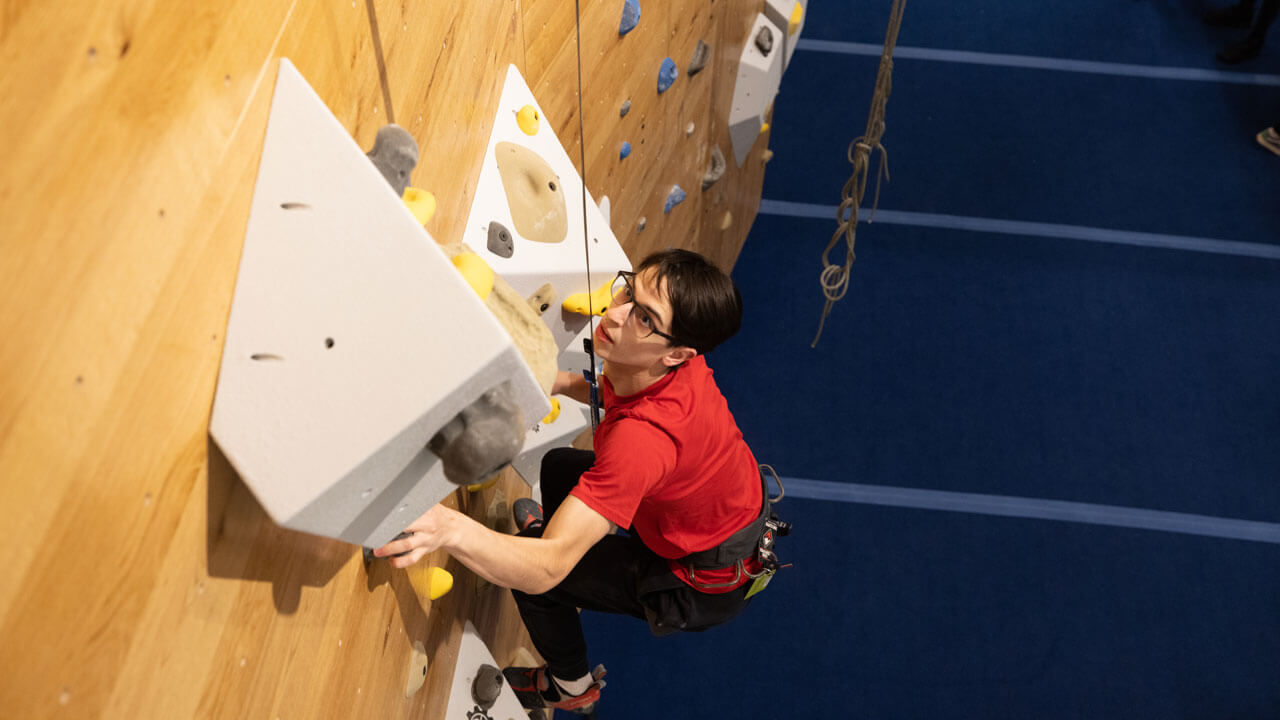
835,278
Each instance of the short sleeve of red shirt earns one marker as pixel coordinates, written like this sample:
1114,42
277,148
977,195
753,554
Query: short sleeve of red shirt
621,477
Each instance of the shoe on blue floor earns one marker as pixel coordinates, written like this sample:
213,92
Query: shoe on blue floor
527,513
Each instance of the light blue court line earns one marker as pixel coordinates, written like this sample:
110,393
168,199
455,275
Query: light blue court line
1018,227
1037,509
1032,62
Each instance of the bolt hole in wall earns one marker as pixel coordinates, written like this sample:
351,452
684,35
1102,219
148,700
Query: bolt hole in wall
328,343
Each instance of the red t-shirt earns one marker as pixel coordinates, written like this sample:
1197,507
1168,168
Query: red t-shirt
671,464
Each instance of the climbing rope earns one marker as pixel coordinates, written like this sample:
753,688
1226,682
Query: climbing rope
586,236
835,278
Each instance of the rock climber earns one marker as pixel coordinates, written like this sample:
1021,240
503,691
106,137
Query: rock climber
670,467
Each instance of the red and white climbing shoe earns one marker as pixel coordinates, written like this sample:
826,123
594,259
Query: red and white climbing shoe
535,689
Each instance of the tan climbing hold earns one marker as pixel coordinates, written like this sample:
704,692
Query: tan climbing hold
527,119
418,663
543,298
534,194
766,156
421,203
476,272
727,220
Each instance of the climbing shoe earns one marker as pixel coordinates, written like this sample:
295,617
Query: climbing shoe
535,688
1270,139
528,513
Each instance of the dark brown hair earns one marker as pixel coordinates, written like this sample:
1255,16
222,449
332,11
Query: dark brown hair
706,307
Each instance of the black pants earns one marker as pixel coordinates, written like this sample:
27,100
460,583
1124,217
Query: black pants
617,575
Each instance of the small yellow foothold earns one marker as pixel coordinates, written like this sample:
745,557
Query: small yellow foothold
421,203
483,485
476,272
764,128
797,16
440,582
555,412
527,119
599,301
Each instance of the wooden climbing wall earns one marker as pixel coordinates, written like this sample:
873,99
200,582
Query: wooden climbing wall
138,576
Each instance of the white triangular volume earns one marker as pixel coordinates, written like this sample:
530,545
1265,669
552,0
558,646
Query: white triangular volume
472,653
352,339
759,74
532,263
779,13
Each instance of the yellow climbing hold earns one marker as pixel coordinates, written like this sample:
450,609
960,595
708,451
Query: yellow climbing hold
476,272
439,582
555,412
527,119
599,301
483,485
764,128
431,582
797,16
421,203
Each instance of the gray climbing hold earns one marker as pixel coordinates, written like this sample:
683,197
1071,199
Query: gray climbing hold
764,40
487,686
482,438
640,224
630,17
626,108
667,75
715,169
701,55
625,151
674,198
500,242
395,154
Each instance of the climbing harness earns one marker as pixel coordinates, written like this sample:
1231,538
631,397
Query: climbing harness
835,278
753,541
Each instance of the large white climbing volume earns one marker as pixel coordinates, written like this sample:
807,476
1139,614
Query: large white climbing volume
527,216
759,75
352,339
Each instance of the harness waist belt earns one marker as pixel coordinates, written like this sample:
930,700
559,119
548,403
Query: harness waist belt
739,546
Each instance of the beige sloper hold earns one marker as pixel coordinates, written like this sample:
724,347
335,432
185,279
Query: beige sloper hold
530,334
534,194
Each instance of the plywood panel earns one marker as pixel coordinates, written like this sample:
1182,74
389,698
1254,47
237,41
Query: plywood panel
139,576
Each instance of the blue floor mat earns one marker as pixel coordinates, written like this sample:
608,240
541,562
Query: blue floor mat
996,364
900,614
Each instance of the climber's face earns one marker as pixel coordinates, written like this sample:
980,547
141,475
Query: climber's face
634,334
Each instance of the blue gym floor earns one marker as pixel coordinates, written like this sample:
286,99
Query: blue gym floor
1008,364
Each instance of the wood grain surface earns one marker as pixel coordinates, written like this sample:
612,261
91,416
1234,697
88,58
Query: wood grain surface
139,578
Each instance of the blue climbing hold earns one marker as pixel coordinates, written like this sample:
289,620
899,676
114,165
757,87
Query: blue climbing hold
674,198
630,17
625,151
667,75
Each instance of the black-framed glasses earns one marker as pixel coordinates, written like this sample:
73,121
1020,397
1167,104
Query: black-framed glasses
624,291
